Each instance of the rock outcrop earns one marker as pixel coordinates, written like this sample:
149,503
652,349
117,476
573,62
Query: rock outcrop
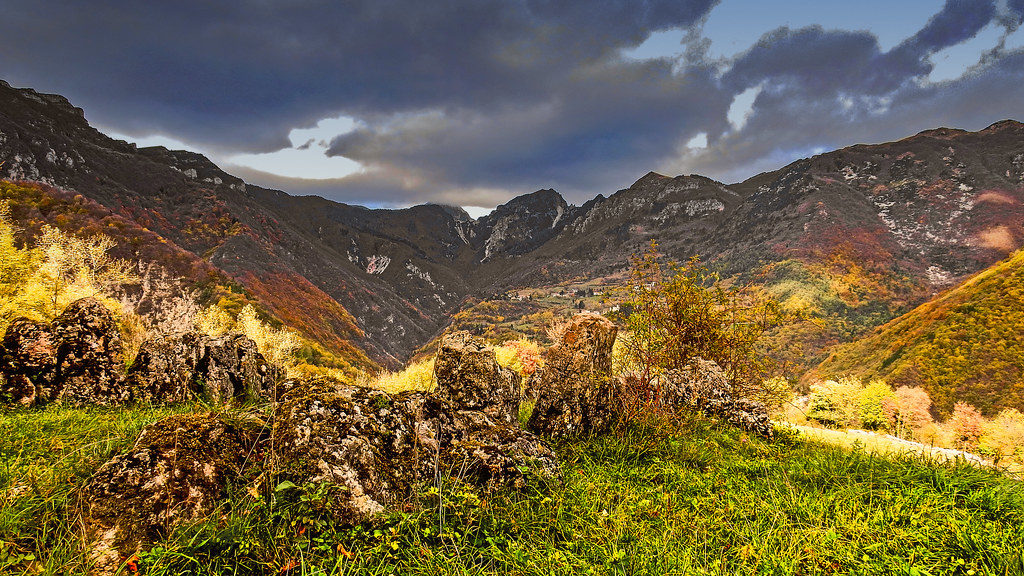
704,387
357,438
232,368
470,378
28,362
176,471
575,393
77,358
378,446
165,369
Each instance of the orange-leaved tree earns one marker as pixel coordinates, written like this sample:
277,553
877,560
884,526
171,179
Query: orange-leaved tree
674,313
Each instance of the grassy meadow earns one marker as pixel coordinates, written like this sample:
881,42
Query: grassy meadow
692,498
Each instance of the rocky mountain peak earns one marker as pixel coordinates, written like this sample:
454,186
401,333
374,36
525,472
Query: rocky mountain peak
522,224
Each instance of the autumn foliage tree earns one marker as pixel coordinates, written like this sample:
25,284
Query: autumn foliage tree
40,279
967,425
675,313
908,410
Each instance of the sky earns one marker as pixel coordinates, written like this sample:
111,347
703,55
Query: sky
390,103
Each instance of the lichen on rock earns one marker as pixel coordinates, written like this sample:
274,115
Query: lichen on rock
354,437
704,387
28,362
176,472
469,377
77,358
575,393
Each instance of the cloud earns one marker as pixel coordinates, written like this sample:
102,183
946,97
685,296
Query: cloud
475,101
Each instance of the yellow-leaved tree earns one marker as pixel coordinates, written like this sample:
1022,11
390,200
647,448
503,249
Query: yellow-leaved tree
278,345
38,281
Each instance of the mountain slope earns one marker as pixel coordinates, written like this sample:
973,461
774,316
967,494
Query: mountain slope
848,239
965,345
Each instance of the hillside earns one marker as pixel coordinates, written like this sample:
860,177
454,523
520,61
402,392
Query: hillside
847,240
964,345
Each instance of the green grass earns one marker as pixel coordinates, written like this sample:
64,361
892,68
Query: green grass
703,500
44,455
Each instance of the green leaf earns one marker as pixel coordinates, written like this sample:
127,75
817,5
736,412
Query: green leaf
286,485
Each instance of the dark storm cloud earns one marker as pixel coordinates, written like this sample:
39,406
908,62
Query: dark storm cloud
240,75
824,89
471,101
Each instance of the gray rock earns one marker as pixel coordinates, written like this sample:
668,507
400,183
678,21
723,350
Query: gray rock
575,394
176,471
226,369
232,368
469,377
356,438
28,362
78,358
165,369
703,386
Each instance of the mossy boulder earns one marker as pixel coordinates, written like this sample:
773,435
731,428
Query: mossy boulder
78,358
703,386
469,377
176,472
575,393
356,438
226,369
232,368
28,362
480,448
165,369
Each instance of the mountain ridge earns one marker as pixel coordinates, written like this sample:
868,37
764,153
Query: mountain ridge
869,230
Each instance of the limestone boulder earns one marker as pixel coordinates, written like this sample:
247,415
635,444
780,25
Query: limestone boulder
232,368
176,472
357,438
28,362
474,446
179,367
469,377
78,358
165,369
703,386
575,393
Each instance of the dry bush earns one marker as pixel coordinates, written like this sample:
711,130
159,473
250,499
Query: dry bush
523,356
418,376
1003,437
676,313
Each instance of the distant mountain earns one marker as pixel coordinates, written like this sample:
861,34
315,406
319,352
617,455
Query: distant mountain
849,239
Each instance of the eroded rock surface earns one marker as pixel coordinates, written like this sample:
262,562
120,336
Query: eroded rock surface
176,472
372,446
575,394
180,367
28,362
703,386
470,378
378,446
77,358
472,445
165,369
231,367
357,438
